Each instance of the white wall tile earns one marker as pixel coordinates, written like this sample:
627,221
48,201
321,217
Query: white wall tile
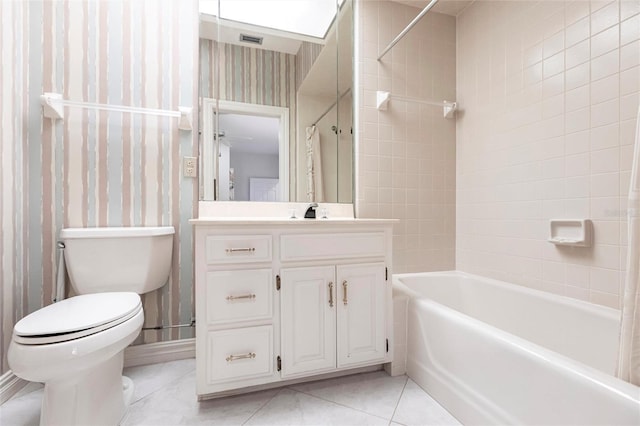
577,31
604,42
605,65
557,137
630,30
409,173
605,113
602,19
577,165
629,8
605,160
630,80
578,54
577,76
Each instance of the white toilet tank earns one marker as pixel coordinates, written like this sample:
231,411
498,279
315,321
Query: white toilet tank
134,259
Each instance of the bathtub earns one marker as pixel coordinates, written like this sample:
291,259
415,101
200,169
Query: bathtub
497,353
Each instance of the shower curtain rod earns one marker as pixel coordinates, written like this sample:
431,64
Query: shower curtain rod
406,30
331,107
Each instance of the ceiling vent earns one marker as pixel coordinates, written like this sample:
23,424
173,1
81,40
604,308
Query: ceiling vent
250,39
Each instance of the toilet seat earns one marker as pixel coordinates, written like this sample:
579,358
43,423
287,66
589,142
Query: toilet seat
76,317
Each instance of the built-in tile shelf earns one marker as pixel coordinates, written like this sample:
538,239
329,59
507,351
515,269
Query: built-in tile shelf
570,232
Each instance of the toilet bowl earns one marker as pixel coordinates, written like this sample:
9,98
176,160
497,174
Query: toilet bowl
76,346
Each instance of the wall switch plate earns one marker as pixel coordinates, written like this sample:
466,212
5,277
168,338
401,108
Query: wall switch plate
190,166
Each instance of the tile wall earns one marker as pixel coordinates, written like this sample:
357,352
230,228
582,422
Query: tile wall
549,94
406,155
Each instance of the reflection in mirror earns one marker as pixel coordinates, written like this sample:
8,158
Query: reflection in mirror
249,153
309,76
252,155
328,115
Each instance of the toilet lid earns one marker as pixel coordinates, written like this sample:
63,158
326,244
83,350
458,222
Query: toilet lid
76,317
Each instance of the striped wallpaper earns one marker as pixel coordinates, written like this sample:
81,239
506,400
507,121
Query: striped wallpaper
249,75
13,176
95,168
307,55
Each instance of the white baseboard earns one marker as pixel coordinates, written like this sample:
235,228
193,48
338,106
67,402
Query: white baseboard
153,353
10,384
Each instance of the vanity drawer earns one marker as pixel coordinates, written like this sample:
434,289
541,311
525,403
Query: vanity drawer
332,246
239,354
239,295
238,248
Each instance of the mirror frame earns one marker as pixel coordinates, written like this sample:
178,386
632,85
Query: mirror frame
210,107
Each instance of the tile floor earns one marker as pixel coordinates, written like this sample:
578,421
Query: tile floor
165,395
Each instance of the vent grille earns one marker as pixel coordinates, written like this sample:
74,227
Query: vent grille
250,39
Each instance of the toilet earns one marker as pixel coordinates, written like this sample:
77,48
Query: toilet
76,346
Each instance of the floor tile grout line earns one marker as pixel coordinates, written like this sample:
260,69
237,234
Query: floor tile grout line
255,412
338,403
159,389
399,399
263,405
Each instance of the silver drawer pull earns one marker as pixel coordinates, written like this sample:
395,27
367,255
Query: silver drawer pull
331,294
244,296
344,287
250,355
239,250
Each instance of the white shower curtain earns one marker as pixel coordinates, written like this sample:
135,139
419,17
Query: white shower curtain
315,192
629,352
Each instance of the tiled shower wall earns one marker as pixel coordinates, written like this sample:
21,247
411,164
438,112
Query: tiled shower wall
94,168
406,155
549,94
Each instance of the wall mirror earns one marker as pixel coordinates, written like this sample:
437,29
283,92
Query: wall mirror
276,102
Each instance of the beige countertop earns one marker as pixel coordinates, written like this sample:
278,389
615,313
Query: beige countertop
286,221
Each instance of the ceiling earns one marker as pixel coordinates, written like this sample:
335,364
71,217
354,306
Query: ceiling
448,7
282,24
250,133
229,31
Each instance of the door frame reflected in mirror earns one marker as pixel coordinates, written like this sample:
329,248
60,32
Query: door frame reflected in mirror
210,150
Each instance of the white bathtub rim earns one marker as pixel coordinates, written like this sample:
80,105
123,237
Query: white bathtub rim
577,303
556,360
457,390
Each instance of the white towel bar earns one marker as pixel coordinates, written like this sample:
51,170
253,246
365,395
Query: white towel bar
53,103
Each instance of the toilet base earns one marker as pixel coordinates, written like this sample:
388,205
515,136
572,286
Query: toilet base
127,389
95,396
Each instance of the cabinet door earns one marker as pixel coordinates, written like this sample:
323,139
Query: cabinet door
361,313
307,307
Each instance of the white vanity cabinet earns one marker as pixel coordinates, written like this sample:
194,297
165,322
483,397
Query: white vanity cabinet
332,317
281,300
